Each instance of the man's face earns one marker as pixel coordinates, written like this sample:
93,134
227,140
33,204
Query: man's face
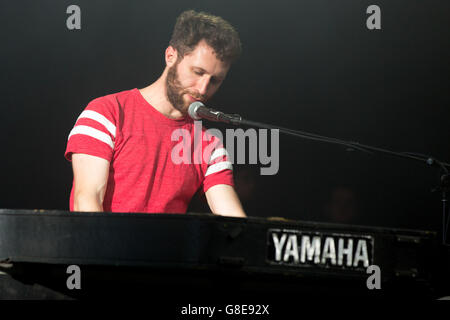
196,77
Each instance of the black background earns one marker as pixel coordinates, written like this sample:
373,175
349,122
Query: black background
306,65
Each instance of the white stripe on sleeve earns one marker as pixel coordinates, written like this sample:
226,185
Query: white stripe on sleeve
219,167
218,153
94,133
100,119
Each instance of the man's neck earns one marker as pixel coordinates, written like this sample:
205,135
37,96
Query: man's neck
155,94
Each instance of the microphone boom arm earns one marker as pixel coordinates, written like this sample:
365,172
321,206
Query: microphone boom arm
444,184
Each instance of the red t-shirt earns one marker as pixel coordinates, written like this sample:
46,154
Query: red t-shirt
136,139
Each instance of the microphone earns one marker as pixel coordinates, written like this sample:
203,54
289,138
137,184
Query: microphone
197,111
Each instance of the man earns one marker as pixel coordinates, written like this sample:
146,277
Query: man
121,146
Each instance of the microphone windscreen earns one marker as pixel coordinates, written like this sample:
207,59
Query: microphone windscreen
192,111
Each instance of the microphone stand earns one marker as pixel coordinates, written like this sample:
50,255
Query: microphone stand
444,181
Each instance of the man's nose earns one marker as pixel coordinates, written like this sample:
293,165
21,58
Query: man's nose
202,85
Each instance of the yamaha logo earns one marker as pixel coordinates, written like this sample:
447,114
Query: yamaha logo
329,250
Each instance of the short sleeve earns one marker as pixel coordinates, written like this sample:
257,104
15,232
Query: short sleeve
94,132
219,169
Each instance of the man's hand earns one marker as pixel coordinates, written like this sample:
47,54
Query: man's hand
223,200
90,180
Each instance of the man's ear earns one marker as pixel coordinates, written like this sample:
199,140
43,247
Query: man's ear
171,56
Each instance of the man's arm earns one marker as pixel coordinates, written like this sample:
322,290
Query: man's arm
90,180
223,200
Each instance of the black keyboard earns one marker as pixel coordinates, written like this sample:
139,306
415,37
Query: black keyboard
259,255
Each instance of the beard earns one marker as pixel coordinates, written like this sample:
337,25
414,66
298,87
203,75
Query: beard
175,91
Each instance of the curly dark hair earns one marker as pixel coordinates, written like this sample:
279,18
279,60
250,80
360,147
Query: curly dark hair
192,27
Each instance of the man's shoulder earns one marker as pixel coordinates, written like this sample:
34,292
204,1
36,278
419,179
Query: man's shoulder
112,103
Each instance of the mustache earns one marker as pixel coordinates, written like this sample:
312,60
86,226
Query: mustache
195,95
